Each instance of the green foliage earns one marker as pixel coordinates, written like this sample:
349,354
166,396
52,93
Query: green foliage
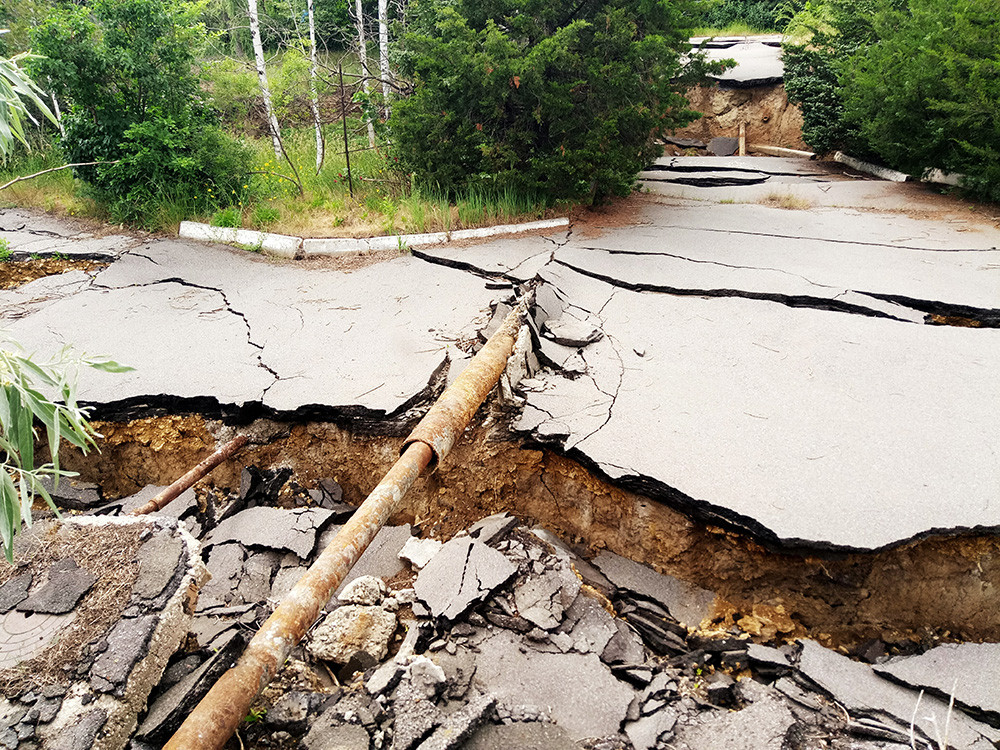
927,93
912,83
126,69
230,216
5,252
758,15
555,99
16,92
22,403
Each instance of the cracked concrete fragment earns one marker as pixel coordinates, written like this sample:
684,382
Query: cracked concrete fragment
688,603
529,677
953,669
65,586
863,693
760,726
274,528
543,599
464,572
570,331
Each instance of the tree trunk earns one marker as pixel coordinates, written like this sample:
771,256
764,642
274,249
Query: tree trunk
265,91
363,56
314,96
383,52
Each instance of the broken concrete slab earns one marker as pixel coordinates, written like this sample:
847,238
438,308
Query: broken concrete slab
528,677
953,670
722,146
461,724
689,603
863,693
757,63
330,733
515,260
464,572
73,493
294,530
14,591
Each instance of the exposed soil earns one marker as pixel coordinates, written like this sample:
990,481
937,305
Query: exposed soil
14,273
770,119
940,588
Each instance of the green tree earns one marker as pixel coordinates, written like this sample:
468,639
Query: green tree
554,98
17,91
926,94
126,69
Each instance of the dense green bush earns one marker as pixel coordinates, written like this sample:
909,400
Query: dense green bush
912,83
760,15
125,67
555,99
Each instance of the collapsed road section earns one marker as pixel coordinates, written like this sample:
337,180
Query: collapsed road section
787,410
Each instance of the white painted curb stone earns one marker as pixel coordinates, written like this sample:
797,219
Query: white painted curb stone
276,244
289,247
873,169
336,246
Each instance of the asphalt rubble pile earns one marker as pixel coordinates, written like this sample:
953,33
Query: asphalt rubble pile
506,637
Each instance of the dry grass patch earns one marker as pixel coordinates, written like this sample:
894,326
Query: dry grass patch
787,201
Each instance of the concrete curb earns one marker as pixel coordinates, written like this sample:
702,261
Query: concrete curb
296,247
873,169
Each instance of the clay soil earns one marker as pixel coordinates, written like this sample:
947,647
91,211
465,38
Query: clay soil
939,588
14,273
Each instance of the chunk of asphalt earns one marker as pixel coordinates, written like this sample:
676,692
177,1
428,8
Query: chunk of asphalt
688,603
950,670
589,625
760,726
528,677
523,736
463,573
645,733
72,494
418,552
225,563
625,646
492,528
274,528
543,599
182,505
330,733
127,644
168,711
461,724
863,693
723,146
66,586
416,716
80,733
159,559
572,332
14,591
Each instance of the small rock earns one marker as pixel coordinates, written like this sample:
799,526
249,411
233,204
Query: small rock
292,709
366,590
425,676
350,629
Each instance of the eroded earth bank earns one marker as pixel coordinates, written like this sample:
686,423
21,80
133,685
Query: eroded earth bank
739,480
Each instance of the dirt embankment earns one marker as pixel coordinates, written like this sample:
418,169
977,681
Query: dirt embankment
935,588
770,120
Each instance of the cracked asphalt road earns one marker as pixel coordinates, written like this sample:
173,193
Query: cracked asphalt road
765,369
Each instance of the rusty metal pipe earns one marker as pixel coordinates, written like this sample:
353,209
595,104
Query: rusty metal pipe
171,493
220,712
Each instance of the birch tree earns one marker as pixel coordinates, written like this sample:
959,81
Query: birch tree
383,52
265,90
313,95
363,56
